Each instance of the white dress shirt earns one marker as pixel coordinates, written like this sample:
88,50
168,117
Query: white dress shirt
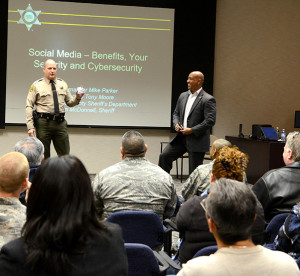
189,104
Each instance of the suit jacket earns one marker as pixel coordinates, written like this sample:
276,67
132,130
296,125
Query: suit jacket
201,118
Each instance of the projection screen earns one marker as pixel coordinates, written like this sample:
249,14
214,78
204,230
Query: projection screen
121,55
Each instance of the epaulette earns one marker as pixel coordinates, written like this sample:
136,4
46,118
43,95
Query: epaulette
38,80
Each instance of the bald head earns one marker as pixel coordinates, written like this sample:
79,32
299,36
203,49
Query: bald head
195,81
49,61
50,69
14,170
198,75
217,146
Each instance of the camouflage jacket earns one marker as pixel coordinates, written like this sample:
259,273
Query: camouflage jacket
12,218
198,181
135,184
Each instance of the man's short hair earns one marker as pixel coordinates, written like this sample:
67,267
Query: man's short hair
293,143
232,207
220,143
33,149
14,169
133,143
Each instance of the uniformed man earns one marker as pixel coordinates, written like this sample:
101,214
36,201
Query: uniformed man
134,184
14,171
199,179
49,94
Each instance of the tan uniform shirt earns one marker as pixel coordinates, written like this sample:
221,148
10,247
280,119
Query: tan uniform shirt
40,94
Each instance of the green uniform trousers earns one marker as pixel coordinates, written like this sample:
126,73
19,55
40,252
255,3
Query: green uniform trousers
48,130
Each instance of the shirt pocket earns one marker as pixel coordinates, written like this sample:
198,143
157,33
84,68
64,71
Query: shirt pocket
44,97
61,93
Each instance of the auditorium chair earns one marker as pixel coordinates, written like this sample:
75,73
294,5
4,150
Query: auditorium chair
144,227
143,261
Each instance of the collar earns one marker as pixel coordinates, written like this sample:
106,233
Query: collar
9,201
295,164
134,159
48,81
196,93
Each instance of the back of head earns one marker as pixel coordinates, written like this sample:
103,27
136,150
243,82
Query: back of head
232,207
60,211
133,143
14,169
219,144
230,163
293,143
33,149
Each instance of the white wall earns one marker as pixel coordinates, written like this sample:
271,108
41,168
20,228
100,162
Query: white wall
257,64
97,148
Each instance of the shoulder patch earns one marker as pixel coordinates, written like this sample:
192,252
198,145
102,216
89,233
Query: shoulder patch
32,88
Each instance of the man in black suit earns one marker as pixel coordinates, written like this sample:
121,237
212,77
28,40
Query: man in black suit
194,115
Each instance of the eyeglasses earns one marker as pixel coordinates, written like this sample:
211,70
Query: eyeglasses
295,134
203,204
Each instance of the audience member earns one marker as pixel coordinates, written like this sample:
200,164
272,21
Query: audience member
14,170
135,183
288,238
199,179
279,190
191,220
62,234
231,209
33,149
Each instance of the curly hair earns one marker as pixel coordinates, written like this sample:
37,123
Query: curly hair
230,163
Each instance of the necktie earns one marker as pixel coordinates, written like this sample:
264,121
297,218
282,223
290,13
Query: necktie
56,106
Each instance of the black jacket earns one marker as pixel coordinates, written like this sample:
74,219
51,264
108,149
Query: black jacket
279,190
105,256
192,225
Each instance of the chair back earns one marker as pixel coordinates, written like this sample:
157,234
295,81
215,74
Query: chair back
141,260
206,251
140,227
273,227
298,262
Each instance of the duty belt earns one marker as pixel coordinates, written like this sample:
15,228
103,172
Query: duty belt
51,117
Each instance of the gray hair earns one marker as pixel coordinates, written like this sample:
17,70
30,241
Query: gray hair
33,149
133,143
221,143
293,143
232,207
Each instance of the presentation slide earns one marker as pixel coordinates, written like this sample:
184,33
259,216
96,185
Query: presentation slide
121,55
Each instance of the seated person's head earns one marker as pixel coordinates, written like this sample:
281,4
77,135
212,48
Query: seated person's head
60,212
291,151
14,172
217,146
231,205
229,163
33,149
133,144
61,187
